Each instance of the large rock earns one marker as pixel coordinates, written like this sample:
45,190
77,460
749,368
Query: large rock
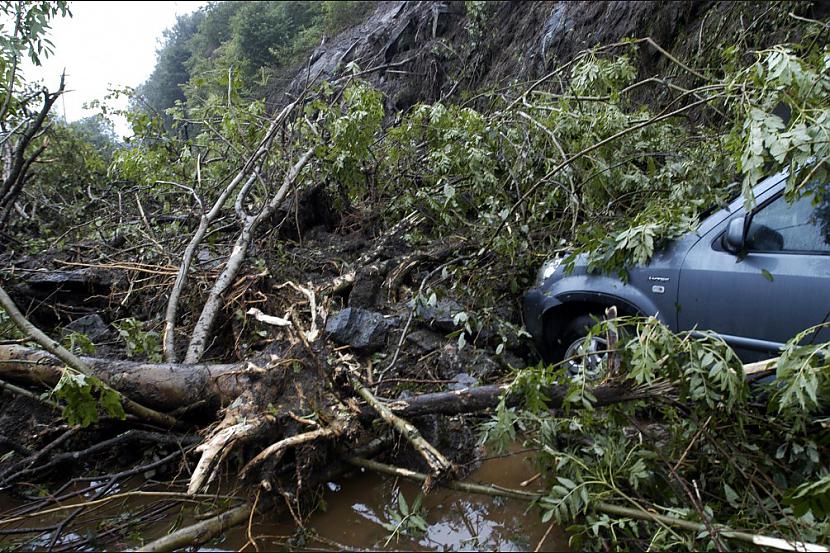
93,326
439,316
425,340
91,278
366,288
476,363
365,331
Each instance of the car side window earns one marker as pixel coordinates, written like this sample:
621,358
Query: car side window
799,226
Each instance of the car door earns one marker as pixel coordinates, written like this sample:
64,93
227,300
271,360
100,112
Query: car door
777,287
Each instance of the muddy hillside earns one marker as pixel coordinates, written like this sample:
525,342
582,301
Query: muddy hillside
306,268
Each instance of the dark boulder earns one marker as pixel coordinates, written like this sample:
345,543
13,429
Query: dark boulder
425,340
93,326
366,288
439,316
365,331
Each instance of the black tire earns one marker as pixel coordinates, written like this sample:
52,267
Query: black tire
575,329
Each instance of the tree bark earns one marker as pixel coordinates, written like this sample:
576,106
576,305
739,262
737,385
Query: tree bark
170,386
201,333
69,359
165,386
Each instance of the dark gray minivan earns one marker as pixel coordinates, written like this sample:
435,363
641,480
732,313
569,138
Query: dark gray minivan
756,279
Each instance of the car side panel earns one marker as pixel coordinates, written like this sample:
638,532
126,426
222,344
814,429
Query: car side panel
650,290
755,302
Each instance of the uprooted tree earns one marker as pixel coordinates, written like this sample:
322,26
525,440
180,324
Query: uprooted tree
457,202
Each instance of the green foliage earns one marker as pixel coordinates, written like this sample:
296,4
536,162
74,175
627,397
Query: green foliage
782,102
23,32
351,129
476,19
635,241
258,39
78,343
339,15
67,177
803,378
706,433
407,519
30,22
139,342
163,88
500,432
8,330
466,170
85,398
813,497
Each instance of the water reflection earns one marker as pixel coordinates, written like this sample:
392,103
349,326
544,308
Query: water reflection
356,508
355,515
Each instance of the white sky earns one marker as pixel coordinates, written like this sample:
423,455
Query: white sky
105,45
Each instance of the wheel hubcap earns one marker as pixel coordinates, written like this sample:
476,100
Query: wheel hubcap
586,360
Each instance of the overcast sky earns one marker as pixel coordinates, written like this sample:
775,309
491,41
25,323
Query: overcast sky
105,45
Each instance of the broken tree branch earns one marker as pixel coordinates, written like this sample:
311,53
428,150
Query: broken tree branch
71,360
439,464
201,531
248,168
213,304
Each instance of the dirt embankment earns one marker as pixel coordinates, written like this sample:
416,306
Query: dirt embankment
332,294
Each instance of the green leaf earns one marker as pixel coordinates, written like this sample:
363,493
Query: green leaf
731,496
404,508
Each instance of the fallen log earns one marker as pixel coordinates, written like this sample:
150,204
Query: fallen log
69,359
482,398
165,386
170,386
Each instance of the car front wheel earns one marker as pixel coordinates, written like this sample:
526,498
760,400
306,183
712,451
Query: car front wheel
582,359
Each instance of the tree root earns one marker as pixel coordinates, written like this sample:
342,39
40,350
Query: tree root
278,448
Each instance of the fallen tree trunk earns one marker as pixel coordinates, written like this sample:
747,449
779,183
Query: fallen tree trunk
481,398
69,359
171,386
165,386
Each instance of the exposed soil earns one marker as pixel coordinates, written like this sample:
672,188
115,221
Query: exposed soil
422,52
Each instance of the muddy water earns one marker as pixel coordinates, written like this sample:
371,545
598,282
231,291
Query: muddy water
358,506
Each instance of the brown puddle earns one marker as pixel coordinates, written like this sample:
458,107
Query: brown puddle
358,505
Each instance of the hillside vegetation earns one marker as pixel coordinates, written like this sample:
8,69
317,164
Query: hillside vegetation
415,163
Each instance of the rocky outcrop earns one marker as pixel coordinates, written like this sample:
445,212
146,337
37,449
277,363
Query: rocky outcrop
427,51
